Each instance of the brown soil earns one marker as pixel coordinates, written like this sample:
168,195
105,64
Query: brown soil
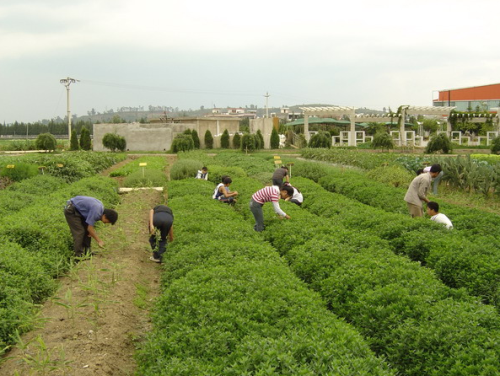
100,314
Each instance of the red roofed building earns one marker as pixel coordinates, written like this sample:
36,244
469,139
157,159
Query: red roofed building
474,98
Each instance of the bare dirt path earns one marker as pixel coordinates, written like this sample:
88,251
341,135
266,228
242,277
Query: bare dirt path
100,313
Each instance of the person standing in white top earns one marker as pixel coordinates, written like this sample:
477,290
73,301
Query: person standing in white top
436,216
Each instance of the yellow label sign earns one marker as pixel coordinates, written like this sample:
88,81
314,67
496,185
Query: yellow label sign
143,164
60,165
11,166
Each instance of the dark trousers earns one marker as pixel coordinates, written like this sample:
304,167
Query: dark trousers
278,182
79,230
258,214
163,222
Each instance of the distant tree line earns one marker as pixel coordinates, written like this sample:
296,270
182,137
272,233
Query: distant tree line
52,127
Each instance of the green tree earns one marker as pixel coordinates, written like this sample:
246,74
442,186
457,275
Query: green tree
182,142
224,140
73,143
382,140
46,141
440,142
114,142
196,139
85,141
244,125
321,140
260,140
237,141
275,139
249,142
495,145
430,125
209,140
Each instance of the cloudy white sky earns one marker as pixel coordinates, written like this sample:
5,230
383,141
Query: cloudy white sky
187,53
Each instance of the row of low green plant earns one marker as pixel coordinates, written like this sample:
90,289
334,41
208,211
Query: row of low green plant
473,174
36,246
418,324
357,185
458,260
152,163
68,166
231,306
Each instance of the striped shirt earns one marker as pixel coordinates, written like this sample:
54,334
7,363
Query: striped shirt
269,194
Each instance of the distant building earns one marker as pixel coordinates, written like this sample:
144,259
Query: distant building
474,98
158,136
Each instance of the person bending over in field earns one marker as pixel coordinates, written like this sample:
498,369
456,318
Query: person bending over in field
224,194
297,197
280,174
82,212
417,191
161,224
268,194
436,216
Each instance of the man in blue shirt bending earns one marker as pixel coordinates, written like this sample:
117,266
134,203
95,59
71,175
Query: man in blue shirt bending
81,213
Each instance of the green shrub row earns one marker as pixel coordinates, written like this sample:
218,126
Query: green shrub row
22,194
68,166
36,247
356,185
231,306
456,259
419,325
447,330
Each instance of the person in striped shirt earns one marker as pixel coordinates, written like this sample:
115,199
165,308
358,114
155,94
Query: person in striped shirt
268,194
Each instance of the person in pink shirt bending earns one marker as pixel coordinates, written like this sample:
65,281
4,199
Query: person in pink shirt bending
268,194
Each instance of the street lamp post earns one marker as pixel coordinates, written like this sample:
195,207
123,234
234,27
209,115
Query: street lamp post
67,82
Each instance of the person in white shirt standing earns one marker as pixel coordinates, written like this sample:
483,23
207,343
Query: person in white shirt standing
268,194
436,216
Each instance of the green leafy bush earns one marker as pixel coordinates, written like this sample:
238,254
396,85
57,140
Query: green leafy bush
320,140
224,140
495,145
382,140
113,142
19,171
182,142
441,143
146,178
184,169
275,139
209,140
237,141
396,176
46,141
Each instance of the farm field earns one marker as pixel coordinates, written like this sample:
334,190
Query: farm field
341,288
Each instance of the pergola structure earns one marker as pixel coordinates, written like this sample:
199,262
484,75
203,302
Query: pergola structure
350,112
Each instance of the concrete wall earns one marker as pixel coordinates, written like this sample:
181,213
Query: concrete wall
159,136
216,125
140,137
266,127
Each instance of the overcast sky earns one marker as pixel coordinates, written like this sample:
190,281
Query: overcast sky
187,54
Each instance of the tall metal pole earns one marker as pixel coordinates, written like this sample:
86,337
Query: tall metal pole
267,108
66,82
